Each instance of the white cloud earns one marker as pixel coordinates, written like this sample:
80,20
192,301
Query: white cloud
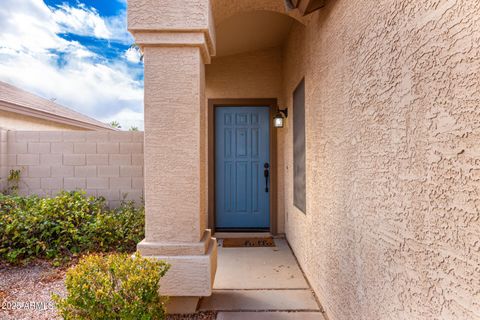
118,27
34,57
133,55
28,26
127,119
82,21
87,22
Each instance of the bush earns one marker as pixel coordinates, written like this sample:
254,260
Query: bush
65,226
116,286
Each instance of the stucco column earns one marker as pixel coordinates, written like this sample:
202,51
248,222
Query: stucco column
177,41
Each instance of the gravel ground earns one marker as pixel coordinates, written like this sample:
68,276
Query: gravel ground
20,287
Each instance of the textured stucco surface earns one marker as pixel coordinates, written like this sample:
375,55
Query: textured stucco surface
392,229
168,15
190,275
225,9
108,164
173,100
239,34
177,39
250,75
392,120
177,17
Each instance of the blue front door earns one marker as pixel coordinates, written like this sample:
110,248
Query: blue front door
242,161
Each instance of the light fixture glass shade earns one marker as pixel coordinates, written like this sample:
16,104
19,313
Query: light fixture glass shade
278,121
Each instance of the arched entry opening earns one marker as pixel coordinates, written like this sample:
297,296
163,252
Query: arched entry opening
245,76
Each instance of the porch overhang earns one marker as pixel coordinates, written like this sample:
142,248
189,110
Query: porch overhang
305,6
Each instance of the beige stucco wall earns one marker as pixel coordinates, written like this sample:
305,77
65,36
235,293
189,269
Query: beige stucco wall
224,9
174,164
102,163
15,121
250,75
392,115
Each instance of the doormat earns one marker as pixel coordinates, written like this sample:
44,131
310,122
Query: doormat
248,242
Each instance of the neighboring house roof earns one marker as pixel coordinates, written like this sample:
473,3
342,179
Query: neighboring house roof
16,100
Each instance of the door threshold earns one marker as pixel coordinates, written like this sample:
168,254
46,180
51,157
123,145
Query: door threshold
223,235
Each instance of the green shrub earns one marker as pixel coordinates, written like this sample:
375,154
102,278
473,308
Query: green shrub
116,286
64,226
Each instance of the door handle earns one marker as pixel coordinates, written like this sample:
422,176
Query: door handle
266,174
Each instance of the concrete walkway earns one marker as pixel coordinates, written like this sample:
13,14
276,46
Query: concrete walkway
261,283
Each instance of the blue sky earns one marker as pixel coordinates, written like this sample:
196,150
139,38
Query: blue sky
76,52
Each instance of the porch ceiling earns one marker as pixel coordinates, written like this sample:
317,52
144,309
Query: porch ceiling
251,31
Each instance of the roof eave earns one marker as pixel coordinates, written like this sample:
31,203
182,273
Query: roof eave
11,107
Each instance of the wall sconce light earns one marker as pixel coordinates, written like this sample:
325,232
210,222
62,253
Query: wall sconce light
279,119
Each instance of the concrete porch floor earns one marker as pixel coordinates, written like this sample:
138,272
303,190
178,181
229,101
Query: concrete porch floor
261,283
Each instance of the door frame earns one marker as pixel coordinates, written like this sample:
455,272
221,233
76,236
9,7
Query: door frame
212,104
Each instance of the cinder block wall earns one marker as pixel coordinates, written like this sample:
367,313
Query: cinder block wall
102,163
3,159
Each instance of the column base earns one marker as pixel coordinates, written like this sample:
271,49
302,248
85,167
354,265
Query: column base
190,275
149,248
182,305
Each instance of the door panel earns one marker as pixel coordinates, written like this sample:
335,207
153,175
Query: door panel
241,150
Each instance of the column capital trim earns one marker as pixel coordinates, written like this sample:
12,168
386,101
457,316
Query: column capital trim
176,38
